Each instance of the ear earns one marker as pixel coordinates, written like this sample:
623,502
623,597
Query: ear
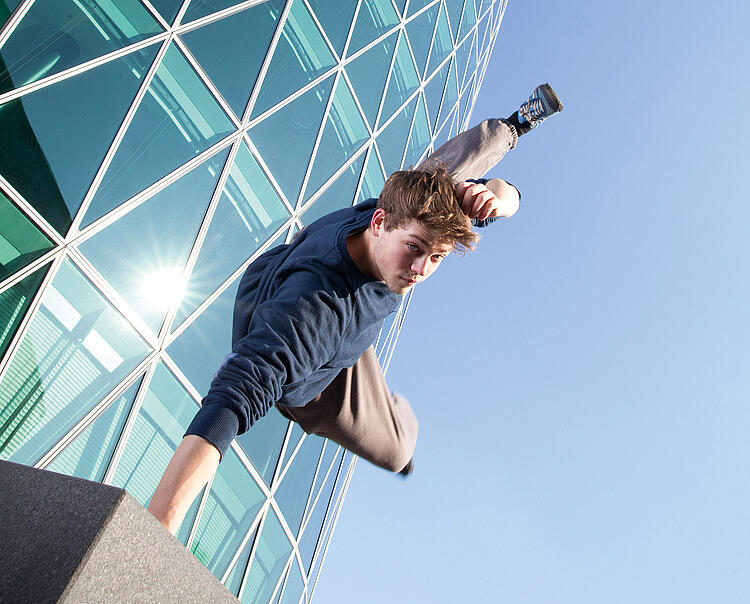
377,224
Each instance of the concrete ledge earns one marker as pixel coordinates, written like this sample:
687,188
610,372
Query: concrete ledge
71,540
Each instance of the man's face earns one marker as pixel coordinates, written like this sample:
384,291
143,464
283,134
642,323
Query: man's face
406,255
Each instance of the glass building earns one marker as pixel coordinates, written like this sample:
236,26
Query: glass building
150,151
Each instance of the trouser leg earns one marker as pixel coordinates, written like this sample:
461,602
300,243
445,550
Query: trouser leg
474,152
359,412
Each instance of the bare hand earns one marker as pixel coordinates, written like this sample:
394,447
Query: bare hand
477,201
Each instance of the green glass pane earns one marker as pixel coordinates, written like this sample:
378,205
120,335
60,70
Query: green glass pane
404,80
454,14
286,138
291,494
176,120
183,533
234,580
464,54
294,585
420,136
469,19
433,93
21,242
314,524
263,442
158,235
76,348
443,43
336,19
244,37
233,503
63,131
167,8
373,179
90,453
368,73
249,212
14,302
392,140
165,414
344,133
419,31
339,194
200,8
301,55
6,9
451,94
375,17
269,561
57,34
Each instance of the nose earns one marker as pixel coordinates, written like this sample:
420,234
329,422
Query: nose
419,266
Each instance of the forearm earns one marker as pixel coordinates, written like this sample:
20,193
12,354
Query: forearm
507,195
191,467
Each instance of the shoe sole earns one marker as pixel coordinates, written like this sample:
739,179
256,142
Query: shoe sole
552,99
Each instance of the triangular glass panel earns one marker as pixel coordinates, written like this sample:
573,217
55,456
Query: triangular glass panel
6,9
291,494
368,73
244,37
375,17
271,556
454,14
443,43
201,8
400,4
76,347
464,54
263,442
295,436
330,450
63,132
483,33
177,119
433,92
234,580
392,140
52,37
444,134
373,179
451,94
294,585
21,241
420,32
314,523
469,18
157,236
286,138
465,103
167,8
232,505
404,80
416,5
339,194
301,55
336,19
249,213
344,133
419,138
183,533
14,302
91,451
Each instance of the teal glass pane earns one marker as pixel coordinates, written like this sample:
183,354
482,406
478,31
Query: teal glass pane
268,563
455,7
200,8
464,56
295,436
433,93
314,524
176,120
375,17
443,43
404,80
233,503
400,5
21,242
294,585
420,137
76,348
445,132
249,212
166,411
330,450
231,50
183,533
373,179
301,55
57,34
340,194
392,140
90,453
451,94
482,34
234,580
286,138
368,73
465,103
6,9
469,19
167,8
158,235
263,442
14,302
291,494
344,133
416,5
419,31
63,132
336,19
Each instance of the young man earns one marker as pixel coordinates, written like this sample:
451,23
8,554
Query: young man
307,312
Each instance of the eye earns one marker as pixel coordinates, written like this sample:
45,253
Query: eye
437,257
412,247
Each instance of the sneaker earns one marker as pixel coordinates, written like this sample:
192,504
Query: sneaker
542,103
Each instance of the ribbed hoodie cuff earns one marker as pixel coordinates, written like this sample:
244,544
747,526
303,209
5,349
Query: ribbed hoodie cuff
216,424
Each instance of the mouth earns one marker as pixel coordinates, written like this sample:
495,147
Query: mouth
409,281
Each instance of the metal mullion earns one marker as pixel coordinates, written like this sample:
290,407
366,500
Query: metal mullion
248,465
267,171
199,511
411,50
408,136
310,493
206,19
14,20
81,68
181,377
243,543
370,45
32,267
395,340
380,159
31,212
345,75
322,30
388,80
308,511
251,557
130,421
361,179
277,470
120,135
93,414
430,47
282,519
355,16
408,100
283,471
155,14
282,579
180,13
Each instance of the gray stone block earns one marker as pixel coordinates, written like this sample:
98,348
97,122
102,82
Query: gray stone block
71,540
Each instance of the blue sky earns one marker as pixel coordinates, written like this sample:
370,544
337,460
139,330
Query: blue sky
582,380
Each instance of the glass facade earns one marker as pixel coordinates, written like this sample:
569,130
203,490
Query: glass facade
150,152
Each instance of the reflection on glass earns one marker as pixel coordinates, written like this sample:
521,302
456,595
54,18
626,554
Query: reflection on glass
451,94
368,73
21,242
375,17
234,580
76,347
420,31
404,80
433,92
13,304
419,138
464,56
263,441
373,179
270,558
294,585
336,18
443,43
53,36
392,140
291,494
468,20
